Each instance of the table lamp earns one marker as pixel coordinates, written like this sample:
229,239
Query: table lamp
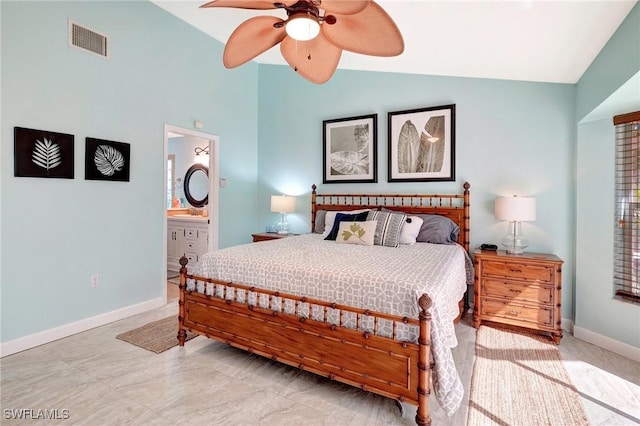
516,210
283,204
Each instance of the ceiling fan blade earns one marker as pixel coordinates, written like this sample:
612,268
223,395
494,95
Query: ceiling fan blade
370,32
343,7
253,37
316,60
248,4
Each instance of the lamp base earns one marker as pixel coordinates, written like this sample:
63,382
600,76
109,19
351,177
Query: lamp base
283,226
511,250
514,244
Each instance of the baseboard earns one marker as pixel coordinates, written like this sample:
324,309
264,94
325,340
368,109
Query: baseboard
27,342
567,325
608,343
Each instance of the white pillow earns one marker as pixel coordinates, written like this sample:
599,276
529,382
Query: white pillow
410,230
361,233
330,217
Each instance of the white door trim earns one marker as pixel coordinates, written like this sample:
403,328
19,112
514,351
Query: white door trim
214,197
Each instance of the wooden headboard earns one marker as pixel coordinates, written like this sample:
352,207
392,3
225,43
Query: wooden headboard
453,206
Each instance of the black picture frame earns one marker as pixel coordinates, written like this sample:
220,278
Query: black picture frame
350,147
422,144
43,154
106,160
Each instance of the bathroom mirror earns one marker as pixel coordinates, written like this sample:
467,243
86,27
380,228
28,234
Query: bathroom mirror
196,185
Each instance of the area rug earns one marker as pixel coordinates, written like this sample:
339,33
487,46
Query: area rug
157,336
518,379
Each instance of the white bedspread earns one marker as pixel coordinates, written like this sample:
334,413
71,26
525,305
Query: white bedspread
383,279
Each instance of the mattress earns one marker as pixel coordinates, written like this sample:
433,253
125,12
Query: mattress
383,279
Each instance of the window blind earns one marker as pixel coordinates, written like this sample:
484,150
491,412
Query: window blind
626,269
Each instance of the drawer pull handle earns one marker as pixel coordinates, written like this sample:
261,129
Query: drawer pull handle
515,313
515,291
517,271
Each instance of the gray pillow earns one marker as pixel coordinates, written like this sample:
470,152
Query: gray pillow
437,229
319,225
388,228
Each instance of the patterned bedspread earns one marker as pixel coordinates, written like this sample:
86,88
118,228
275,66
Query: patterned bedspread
383,279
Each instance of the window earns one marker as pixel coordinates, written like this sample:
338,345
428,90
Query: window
171,179
626,267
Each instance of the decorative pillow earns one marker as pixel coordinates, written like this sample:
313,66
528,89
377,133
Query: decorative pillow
438,230
330,217
342,217
388,229
410,230
361,233
319,225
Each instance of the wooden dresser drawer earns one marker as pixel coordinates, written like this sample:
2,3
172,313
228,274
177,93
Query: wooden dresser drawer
539,315
517,291
530,272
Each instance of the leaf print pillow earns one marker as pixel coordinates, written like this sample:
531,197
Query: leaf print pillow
361,233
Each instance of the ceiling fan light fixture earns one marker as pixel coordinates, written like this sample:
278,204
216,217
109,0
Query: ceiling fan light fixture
303,27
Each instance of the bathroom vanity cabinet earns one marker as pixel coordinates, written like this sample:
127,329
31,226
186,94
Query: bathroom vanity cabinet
187,236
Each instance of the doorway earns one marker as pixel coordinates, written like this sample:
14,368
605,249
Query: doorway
185,151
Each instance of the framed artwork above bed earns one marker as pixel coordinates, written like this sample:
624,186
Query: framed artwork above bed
349,149
422,144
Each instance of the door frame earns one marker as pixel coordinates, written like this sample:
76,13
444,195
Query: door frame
214,195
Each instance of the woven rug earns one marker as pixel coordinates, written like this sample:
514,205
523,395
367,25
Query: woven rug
518,379
157,336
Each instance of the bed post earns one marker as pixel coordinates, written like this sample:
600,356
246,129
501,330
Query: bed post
466,216
313,207
182,334
423,418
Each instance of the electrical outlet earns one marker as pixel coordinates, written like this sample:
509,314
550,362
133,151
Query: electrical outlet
95,280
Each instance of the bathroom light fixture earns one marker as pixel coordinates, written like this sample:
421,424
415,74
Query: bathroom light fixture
283,204
516,210
202,155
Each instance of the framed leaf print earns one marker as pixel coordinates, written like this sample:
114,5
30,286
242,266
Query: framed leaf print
106,160
422,144
40,153
349,149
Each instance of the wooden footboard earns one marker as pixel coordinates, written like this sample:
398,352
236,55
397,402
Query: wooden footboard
286,330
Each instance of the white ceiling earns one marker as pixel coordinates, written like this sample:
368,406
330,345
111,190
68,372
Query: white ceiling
531,40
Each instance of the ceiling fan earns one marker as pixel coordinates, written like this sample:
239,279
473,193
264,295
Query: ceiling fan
313,35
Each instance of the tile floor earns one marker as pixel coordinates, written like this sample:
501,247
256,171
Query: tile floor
101,380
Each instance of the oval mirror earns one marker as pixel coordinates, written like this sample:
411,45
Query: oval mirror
196,185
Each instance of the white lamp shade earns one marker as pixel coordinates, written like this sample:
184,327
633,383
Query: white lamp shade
516,209
283,203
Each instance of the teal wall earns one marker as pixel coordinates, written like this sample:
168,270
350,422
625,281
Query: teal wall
511,138
57,232
596,310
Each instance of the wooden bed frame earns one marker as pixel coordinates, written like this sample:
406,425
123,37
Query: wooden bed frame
384,365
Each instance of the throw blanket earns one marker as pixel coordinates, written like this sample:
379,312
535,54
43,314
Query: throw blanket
383,279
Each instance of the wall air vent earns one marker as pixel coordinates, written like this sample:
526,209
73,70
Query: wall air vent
88,40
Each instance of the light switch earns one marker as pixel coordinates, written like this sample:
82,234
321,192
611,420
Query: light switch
223,183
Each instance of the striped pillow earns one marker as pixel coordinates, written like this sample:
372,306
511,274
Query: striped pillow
389,227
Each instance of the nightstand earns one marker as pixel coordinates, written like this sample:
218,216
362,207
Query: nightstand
522,290
266,236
